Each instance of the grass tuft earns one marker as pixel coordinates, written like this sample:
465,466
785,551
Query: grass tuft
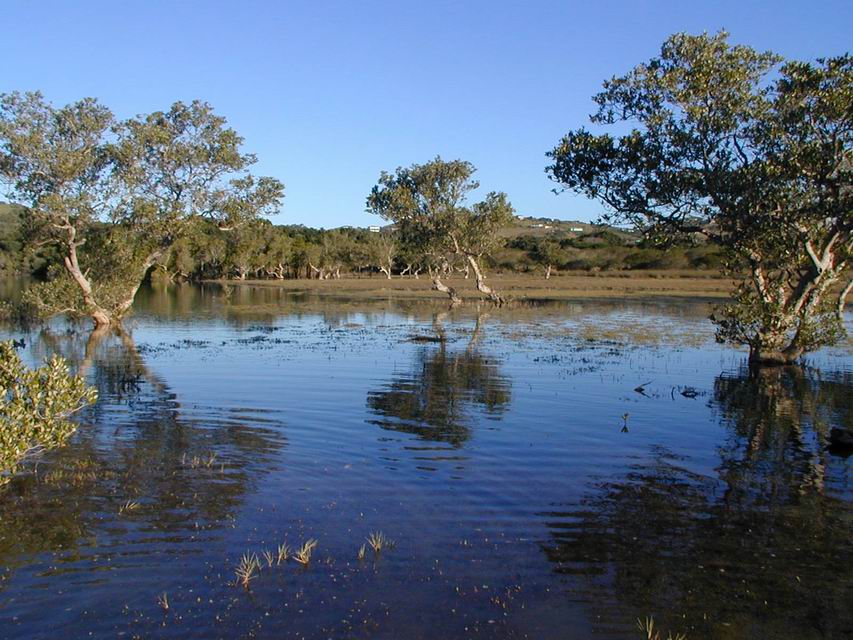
163,601
647,626
378,541
303,553
247,569
127,507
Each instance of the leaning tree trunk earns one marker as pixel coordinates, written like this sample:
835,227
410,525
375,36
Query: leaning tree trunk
124,306
482,287
842,300
99,315
548,272
438,285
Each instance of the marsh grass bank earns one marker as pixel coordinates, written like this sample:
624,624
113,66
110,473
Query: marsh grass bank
563,286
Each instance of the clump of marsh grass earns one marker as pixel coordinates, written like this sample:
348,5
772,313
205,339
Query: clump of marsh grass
362,551
283,553
247,569
269,557
378,541
647,626
163,601
303,554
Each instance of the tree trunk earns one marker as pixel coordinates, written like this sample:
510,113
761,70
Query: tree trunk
124,306
548,272
99,315
770,358
842,300
438,285
482,287
386,271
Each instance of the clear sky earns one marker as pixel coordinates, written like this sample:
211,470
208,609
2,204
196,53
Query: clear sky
328,94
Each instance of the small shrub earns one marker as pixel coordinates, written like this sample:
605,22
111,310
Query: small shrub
35,406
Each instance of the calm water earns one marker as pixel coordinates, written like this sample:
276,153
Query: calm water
489,444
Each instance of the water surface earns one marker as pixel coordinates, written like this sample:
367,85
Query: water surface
546,471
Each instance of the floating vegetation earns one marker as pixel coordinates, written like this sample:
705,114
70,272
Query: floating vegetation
378,541
647,626
163,601
284,552
422,338
362,551
303,553
247,569
269,557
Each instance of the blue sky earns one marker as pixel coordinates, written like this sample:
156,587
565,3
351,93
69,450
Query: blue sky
328,94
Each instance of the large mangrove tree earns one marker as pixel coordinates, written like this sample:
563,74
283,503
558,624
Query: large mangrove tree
113,197
750,152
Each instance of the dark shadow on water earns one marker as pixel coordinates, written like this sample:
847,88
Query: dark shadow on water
761,551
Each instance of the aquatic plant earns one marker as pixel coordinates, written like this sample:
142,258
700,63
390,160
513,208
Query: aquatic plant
284,552
130,505
269,557
35,405
247,569
163,601
647,626
303,553
197,462
378,541
362,551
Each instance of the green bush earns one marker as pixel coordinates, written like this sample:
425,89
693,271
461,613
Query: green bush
35,405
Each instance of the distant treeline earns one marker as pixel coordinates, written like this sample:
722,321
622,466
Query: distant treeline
262,250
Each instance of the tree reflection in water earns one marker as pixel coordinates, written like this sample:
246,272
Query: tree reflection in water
137,471
433,401
763,551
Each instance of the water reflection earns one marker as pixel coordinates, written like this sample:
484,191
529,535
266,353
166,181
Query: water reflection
138,477
244,304
433,399
780,418
183,466
763,551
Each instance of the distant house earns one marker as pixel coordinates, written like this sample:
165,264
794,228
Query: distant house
373,229
576,229
547,226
